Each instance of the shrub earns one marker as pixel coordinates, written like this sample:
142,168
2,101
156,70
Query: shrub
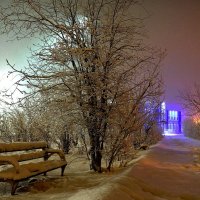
191,129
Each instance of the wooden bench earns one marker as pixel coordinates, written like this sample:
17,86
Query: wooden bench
13,154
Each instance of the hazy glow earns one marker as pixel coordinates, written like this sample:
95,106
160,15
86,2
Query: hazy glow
7,84
5,81
196,119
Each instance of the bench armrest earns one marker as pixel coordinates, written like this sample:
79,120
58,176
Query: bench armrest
59,152
11,160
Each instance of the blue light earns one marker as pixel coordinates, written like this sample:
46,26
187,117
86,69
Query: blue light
171,121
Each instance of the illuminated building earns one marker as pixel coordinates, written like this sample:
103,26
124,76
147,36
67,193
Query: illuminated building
170,120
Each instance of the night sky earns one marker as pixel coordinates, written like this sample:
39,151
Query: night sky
173,25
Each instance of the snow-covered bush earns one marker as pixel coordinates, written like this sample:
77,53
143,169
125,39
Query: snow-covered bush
191,129
152,137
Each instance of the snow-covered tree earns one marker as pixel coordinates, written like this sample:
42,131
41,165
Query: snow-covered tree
92,62
191,103
191,100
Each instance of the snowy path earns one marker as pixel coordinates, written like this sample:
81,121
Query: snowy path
167,172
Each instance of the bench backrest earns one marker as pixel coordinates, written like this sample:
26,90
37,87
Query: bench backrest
23,146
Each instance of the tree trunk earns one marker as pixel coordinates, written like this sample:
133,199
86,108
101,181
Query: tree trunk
95,153
93,129
66,143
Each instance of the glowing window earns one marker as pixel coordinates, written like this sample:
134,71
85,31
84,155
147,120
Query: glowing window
176,115
171,115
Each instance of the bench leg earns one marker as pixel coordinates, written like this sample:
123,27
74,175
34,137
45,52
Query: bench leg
14,187
45,173
62,170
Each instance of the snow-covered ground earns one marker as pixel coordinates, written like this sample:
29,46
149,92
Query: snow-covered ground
167,172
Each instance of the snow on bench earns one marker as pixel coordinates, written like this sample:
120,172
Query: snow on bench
13,155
